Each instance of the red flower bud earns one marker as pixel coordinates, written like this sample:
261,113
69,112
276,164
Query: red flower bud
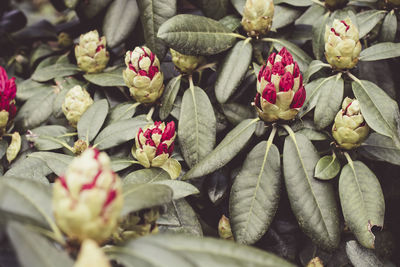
299,98
269,93
8,92
287,58
278,68
271,58
296,70
286,83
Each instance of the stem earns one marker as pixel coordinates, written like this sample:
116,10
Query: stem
191,85
289,130
349,160
238,36
209,65
127,161
247,40
272,134
67,134
60,142
58,237
354,78
150,114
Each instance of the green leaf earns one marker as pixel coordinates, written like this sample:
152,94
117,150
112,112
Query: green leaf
122,111
36,110
119,163
311,15
92,119
389,28
380,51
312,201
298,54
145,176
153,14
182,250
239,5
119,132
236,113
362,201
362,257
169,95
378,109
49,137
233,70
180,189
313,90
34,250
327,168
27,198
367,20
179,218
197,126
215,9
232,22
89,9
233,142
318,40
196,35
284,16
107,78
57,162
144,196
255,193
310,131
380,147
30,168
329,102
314,67
28,88
53,71
121,15
301,3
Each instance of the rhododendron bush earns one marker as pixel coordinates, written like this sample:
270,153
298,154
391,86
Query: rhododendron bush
199,133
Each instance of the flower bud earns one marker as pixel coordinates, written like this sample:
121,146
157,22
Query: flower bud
76,102
224,228
257,17
91,54
350,128
87,200
79,147
315,262
8,92
143,75
280,88
342,45
14,147
91,255
186,63
335,4
154,147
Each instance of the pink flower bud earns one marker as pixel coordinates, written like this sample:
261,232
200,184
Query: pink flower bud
269,93
299,98
8,91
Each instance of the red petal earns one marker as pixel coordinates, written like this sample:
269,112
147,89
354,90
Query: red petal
169,131
269,93
162,148
142,73
99,48
286,83
93,183
271,58
132,67
257,100
345,24
278,68
110,197
287,58
296,70
153,70
299,98
63,182
333,30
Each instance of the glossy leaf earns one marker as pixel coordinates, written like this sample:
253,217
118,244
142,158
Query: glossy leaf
378,109
314,67
92,120
111,77
119,132
232,22
153,14
362,201
233,142
329,102
182,251
327,168
233,70
255,193
380,51
197,126
312,201
180,189
121,15
196,35
169,96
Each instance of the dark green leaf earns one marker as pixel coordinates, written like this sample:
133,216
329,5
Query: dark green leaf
30,168
232,22
215,9
119,132
180,189
53,71
143,196
254,195
233,142
312,201
145,176
284,16
380,147
236,113
182,251
329,102
362,201
34,250
233,70
367,20
197,126
57,162
92,120
294,2
378,109
239,5
318,40
311,15
168,97
327,168
28,88
107,78
153,14
121,15
313,90
380,51
314,67
196,35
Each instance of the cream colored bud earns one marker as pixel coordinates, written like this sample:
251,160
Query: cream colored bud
257,17
76,102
